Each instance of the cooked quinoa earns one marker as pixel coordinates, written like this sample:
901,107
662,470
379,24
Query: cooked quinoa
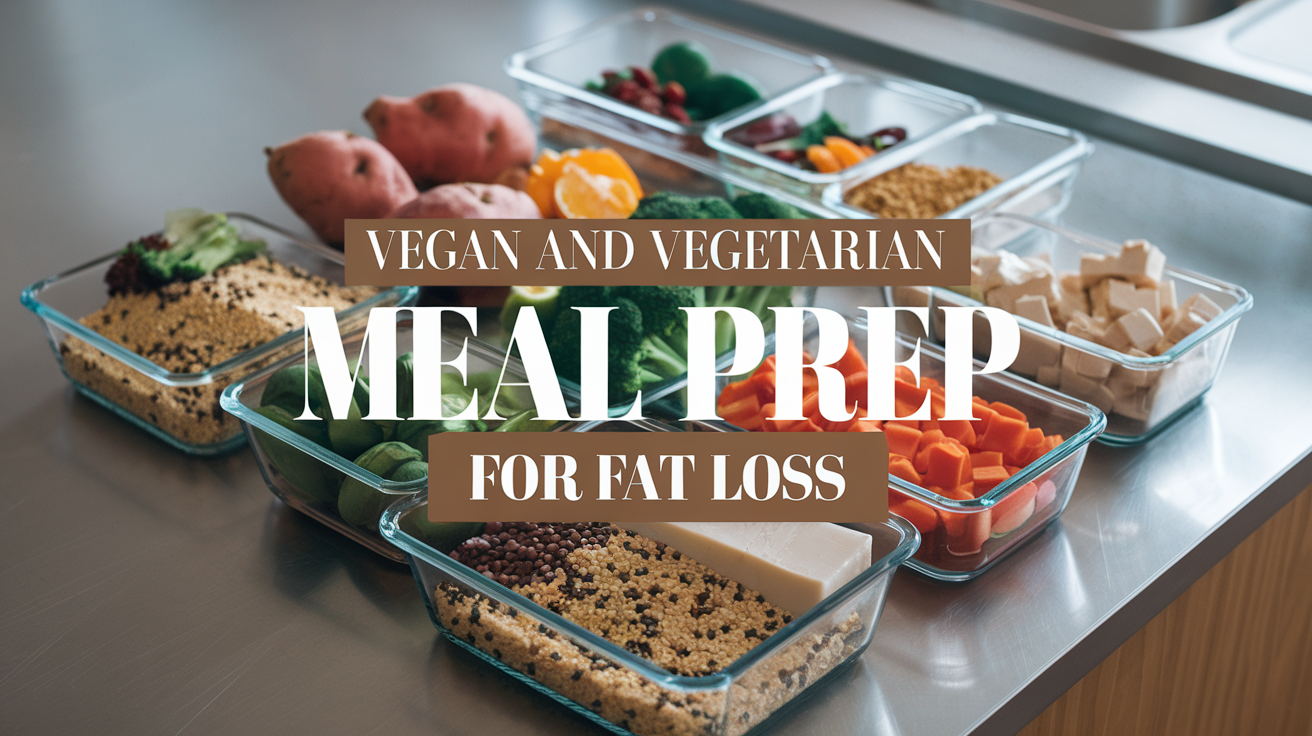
188,327
649,599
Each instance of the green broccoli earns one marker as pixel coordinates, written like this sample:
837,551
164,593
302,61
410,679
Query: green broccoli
661,306
200,243
670,206
758,206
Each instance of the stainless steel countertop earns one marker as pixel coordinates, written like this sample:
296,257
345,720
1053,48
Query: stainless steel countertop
147,592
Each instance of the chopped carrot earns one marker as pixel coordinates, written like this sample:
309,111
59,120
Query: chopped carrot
1003,435
912,423
847,152
987,477
902,468
851,363
948,465
733,392
918,513
865,425
958,429
1007,410
748,404
902,440
985,459
856,387
903,373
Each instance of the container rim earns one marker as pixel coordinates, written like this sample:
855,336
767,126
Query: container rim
1243,299
908,542
31,299
716,132
516,65
1078,148
230,401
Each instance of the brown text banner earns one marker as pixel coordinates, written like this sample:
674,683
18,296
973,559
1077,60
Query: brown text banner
658,476
649,252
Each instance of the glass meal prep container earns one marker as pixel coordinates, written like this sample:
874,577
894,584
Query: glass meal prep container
623,691
1037,162
962,539
552,76
62,299
862,103
1168,384
308,476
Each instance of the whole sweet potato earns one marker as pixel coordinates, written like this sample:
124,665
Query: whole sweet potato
453,133
470,201
333,175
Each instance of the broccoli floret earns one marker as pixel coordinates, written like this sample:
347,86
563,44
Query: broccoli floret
199,244
669,206
661,306
758,206
756,299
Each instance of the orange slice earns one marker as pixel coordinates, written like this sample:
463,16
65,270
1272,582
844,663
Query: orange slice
847,152
550,165
581,194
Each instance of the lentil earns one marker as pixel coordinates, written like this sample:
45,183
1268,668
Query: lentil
920,190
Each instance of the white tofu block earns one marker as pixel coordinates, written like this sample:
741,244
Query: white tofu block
1036,352
1090,390
1100,298
1141,262
1199,303
1136,377
1084,330
1004,297
1166,301
1050,376
1035,308
1070,281
795,565
1092,366
1134,404
1123,297
1185,324
1136,329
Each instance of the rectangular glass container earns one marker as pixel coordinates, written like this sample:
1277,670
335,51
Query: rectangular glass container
962,539
622,691
62,299
552,76
1037,162
1170,383
306,475
863,103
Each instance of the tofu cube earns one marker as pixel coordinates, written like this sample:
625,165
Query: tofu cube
1004,297
1204,307
1184,325
1050,376
1036,352
1135,377
1100,298
1034,308
1123,297
1166,301
1141,262
1092,366
1137,329
1087,389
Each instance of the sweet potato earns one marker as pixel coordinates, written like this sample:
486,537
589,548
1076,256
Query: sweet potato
330,176
470,201
454,133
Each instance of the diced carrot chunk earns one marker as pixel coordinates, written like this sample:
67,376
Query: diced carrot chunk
984,415
930,437
1033,437
902,440
750,422
903,373
767,365
1011,470
912,423
937,405
809,382
1004,435
902,468
856,387
985,459
734,392
762,385
748,404
987,477
865,425
909,393
959,430
948,464
918,513
1007,410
